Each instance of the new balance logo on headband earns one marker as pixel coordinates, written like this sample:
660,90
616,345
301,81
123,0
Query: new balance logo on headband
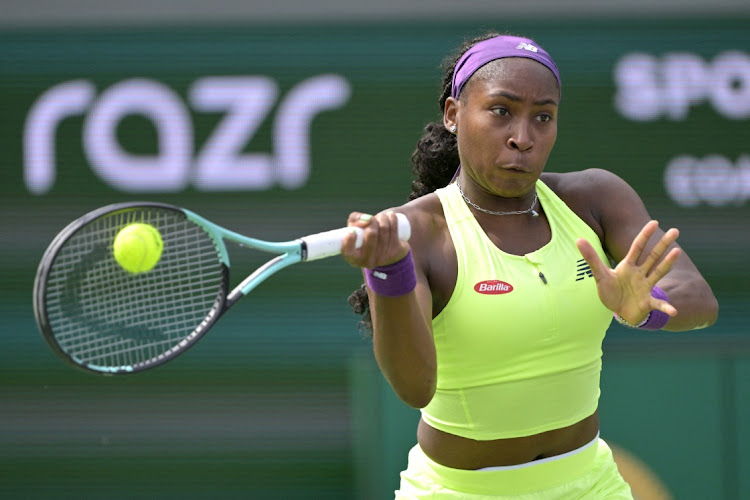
527,46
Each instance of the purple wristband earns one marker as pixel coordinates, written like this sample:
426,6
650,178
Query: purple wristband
656,318
394,279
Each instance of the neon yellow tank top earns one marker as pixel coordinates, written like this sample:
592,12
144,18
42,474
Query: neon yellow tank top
519,342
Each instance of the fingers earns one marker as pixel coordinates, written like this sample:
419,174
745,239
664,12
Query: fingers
356,219
380,242
664,266
655,265
598,268
640,242
663,306
658,251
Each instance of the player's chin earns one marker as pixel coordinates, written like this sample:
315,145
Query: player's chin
515,187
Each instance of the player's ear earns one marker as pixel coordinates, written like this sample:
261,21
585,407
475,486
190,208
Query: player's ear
450,114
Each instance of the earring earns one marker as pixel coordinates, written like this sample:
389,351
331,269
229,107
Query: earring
453,129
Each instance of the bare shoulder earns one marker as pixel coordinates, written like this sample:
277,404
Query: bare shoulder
606,202
589,192
427,219
432,246
586,185
430,238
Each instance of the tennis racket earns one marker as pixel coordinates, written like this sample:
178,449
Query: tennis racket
103,319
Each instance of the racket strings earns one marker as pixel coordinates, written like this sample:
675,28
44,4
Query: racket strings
103,316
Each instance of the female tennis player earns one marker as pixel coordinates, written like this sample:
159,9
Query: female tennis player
491,318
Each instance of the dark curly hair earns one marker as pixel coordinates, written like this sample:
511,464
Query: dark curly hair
434,162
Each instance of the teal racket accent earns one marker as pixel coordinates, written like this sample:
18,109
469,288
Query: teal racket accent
99,317
291,253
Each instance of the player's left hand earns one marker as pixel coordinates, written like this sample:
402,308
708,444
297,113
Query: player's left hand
626,289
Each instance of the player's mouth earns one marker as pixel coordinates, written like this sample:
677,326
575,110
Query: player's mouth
515,168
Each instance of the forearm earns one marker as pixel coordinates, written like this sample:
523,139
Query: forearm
695,302
404,347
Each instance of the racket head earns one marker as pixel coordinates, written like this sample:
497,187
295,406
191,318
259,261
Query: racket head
98,317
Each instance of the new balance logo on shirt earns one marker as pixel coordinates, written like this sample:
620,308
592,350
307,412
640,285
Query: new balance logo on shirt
583,270
497,287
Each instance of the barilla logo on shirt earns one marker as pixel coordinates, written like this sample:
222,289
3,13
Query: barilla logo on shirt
493,287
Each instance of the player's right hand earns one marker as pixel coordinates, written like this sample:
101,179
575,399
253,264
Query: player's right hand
380,245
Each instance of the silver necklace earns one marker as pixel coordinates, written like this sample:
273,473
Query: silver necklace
529,210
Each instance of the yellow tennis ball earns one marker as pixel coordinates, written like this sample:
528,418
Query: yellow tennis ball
137,247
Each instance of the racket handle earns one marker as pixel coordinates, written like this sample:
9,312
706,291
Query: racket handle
328,243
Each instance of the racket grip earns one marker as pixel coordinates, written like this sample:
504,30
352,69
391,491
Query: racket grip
328,243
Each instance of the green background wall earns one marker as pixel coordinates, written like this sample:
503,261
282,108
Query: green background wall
281,399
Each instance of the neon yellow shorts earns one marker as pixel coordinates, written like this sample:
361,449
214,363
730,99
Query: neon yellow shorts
589,474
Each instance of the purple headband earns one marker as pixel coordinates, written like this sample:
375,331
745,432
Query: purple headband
498,48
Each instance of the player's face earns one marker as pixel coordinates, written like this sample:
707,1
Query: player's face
507,125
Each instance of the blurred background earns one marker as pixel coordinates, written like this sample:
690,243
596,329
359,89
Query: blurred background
277,119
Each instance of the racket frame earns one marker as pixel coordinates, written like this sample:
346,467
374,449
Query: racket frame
311,247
